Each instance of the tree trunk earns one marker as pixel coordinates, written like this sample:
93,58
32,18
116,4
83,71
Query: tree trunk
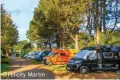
75,38
104,14
76,42
97,37
101,15
50,47
62,41
58,41
89,25
62,45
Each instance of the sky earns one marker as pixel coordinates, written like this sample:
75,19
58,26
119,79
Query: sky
21,12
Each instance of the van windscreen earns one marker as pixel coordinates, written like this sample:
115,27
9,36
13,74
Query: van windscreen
81,54
84,53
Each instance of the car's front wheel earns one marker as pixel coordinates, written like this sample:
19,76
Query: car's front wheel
84,69
48,62
67,68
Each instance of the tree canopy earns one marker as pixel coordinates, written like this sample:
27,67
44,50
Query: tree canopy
67,22
9,32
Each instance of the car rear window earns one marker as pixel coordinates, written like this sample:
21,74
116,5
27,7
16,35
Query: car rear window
108,55
115,49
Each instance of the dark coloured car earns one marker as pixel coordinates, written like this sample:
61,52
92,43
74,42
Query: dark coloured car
42,54
87,60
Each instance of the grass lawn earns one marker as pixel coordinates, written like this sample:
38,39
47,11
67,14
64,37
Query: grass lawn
51,67
5,67
59,68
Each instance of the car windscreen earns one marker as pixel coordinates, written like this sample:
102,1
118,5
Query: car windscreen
40,53
30,53
50,54
82,54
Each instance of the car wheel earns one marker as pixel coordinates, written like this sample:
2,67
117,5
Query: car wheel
84,69
48,62
68,69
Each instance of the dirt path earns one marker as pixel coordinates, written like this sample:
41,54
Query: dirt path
25,69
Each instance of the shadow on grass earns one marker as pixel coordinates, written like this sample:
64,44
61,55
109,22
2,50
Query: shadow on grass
90,75
36,62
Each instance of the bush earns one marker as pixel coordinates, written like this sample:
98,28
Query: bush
5,59
110,38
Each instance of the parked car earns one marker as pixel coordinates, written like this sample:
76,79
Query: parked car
42,54
62,53
31,55
45,58
26,55
58,57
87,60
17,54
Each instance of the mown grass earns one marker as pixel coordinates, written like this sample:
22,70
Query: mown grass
51,67
59,67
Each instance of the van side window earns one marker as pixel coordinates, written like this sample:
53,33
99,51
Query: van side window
92,56
108,55
62,54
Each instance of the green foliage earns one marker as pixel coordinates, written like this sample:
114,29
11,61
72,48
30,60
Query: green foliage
9,34
53,20
25,49
32,33
17,47
5,60
110,38
3,51
65,18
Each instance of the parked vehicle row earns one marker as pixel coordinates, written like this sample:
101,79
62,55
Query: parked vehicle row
58,56
83,61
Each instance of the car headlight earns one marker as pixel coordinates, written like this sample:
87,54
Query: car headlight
77,61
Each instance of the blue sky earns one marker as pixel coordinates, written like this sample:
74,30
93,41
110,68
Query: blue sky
21,12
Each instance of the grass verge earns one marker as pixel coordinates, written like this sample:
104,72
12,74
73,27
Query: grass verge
4,69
